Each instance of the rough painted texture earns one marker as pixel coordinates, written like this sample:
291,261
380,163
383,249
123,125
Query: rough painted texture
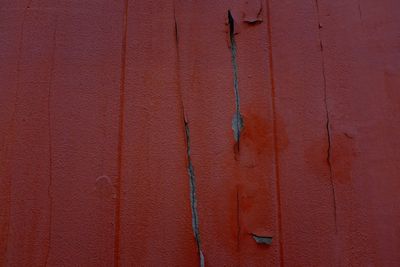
266,129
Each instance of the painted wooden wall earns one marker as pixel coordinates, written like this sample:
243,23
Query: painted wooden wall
187,133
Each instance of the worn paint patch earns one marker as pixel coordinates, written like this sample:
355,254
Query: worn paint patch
252,12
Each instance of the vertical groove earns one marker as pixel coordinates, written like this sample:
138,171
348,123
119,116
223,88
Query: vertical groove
328,123
275,131
117,218
50,147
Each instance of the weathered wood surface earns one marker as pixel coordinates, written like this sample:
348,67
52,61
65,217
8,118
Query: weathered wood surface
121,136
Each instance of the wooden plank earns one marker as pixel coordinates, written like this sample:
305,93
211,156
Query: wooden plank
25,158
10,34
63,144
84,110
360,41
222,133
156,223
307,196
234,185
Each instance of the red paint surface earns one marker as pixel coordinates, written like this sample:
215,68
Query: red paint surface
93,152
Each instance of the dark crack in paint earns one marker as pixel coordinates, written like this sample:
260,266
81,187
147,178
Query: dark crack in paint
190,169
193,199
328,122
237,121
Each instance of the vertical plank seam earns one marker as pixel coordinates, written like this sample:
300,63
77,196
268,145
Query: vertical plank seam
14,114
276,147
117,218
50,147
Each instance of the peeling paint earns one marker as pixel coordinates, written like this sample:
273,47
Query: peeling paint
253,12
190,168
193,199
265,240
124,124
237,121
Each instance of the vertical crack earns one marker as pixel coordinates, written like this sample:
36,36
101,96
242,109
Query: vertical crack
237,122
118,185
193,199
190,168
328,122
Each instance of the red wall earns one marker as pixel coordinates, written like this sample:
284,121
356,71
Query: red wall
104,105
